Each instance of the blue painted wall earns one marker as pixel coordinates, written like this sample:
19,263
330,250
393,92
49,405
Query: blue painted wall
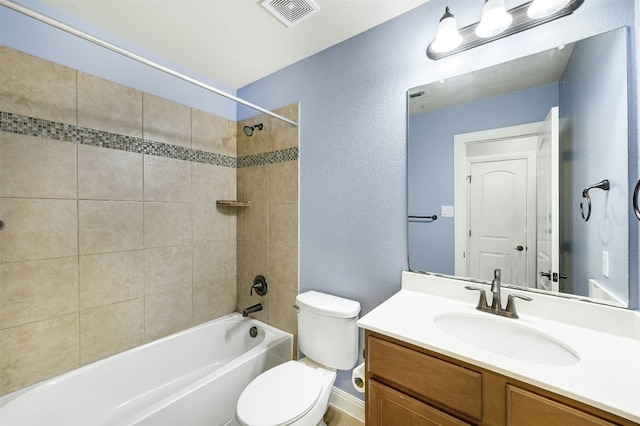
598,132
431,169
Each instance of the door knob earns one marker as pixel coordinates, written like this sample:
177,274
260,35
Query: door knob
519,248
546,274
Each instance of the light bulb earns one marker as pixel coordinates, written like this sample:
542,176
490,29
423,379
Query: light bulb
495,19
543,8
447,37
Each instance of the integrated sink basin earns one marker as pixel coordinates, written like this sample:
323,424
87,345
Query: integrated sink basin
507,338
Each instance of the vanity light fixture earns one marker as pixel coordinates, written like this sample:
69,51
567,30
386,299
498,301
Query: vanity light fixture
447,37
495,23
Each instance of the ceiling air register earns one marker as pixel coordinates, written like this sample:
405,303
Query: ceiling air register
291,12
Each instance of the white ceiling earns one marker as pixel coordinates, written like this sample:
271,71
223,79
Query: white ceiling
234,42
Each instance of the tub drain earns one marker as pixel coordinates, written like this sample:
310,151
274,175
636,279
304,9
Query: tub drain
253,331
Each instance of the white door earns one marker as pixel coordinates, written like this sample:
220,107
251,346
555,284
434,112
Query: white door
548,206
498,202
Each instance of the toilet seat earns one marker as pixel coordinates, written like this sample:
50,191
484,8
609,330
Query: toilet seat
280,395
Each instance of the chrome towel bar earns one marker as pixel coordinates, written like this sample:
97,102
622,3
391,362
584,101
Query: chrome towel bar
430,218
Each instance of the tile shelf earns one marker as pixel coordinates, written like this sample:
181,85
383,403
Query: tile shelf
233,203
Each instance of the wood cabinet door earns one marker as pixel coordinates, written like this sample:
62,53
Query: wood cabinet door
443,384
529,409
388,407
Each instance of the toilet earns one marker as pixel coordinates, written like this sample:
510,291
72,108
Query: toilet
297,392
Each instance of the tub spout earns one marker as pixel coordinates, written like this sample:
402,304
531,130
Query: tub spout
251,309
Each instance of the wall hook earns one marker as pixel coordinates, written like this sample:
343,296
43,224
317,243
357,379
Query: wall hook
604,185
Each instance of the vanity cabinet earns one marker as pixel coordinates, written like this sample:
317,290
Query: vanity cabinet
411,386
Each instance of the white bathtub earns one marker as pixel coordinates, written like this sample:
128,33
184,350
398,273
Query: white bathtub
193,377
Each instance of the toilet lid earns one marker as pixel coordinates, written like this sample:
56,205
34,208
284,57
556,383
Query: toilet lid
280,395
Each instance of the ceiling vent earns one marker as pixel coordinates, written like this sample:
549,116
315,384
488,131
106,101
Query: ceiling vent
291,12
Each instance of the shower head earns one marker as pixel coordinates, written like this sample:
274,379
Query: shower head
248,130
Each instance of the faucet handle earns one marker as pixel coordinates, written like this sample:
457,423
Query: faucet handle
260,285
511,306
482,302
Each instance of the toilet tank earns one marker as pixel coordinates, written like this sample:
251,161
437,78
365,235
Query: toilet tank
327,330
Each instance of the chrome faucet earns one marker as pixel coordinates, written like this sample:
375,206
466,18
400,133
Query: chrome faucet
496,305
251,309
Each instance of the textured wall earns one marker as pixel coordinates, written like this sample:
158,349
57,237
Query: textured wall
598,132
353,238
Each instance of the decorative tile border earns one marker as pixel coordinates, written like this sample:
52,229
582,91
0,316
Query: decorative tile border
29,126
287,154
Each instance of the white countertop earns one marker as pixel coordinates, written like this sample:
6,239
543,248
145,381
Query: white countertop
606,339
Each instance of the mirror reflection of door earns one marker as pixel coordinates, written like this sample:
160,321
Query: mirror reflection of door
497,227
548,205
498,223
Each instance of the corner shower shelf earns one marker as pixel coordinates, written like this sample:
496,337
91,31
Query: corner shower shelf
233,203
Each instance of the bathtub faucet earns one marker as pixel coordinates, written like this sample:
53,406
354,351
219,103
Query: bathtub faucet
251,309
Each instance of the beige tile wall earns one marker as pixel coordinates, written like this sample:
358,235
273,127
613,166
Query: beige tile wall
268,230
104,250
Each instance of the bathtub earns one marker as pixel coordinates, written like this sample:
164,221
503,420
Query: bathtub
193,377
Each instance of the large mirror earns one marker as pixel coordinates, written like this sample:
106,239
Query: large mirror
524,167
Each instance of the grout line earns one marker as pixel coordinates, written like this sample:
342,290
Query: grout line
144,256
77,155
192,233
78,220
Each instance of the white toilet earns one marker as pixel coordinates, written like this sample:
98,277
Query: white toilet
297,392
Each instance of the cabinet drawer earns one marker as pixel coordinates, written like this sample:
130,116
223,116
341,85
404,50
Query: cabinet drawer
526,408
388,407
428,378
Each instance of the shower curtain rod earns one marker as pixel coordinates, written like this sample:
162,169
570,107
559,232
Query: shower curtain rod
74,31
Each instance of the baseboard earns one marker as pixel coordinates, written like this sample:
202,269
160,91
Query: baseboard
348,403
